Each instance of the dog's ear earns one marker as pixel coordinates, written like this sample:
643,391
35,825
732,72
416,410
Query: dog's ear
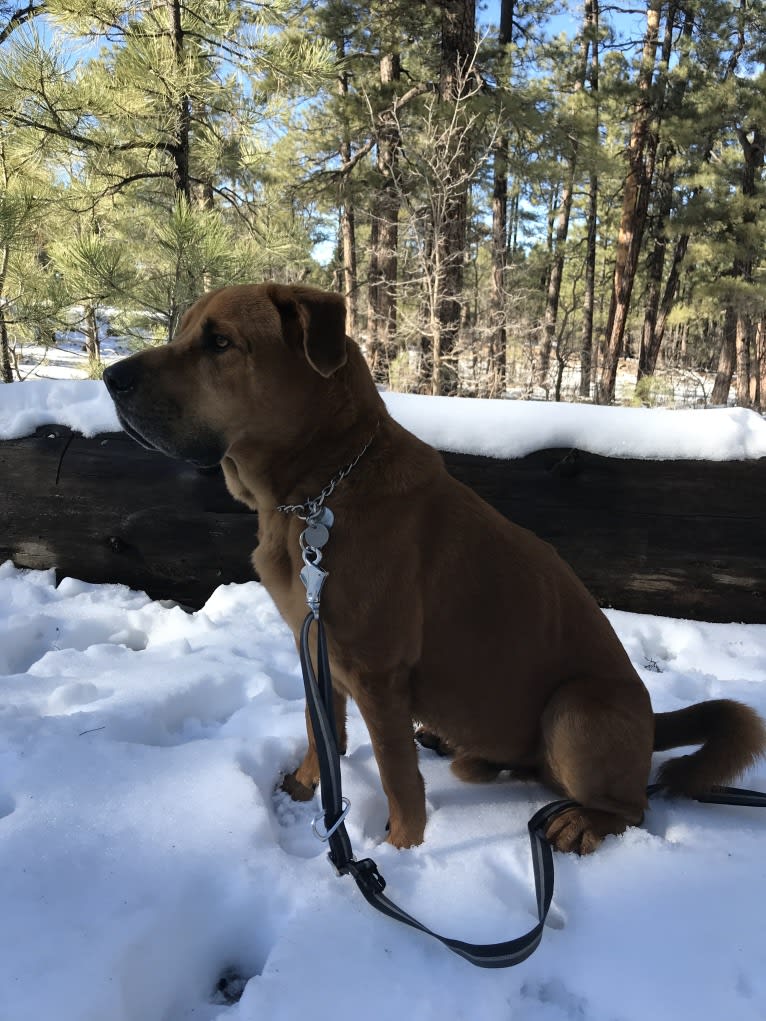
314,320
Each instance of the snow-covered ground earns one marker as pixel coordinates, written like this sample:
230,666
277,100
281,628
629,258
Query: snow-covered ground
144,854
672,386
67,358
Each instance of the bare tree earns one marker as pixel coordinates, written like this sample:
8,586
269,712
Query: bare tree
432,176
458,52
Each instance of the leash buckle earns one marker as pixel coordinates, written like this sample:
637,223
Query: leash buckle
324,837
365,872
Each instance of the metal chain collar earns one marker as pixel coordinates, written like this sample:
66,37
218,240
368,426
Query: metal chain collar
310,508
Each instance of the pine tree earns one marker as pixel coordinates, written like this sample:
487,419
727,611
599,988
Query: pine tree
156,138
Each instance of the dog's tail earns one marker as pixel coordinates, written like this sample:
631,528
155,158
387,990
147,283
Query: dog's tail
732,736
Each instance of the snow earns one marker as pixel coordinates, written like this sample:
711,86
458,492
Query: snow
515,428
144,853
496,428
82,404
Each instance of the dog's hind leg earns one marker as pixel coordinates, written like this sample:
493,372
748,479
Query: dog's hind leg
473,769
469,768
429,739
301,784
597,745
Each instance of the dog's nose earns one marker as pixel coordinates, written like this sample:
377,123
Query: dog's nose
121,377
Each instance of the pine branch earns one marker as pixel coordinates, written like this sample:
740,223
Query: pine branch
19,18
84,141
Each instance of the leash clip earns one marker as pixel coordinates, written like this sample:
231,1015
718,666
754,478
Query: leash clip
313,577
324,837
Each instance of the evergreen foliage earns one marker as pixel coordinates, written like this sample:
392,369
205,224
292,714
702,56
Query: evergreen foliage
524,199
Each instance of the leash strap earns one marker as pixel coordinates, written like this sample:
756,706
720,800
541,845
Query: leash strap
319,699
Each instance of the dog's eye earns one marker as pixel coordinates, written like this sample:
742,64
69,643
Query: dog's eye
219,342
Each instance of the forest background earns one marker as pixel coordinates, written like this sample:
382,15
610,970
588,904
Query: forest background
523,198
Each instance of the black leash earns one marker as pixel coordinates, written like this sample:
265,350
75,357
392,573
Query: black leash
365,872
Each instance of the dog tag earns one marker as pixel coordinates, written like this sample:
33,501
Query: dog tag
316,535
325,517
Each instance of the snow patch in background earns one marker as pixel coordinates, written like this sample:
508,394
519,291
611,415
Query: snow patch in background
516,428
494,428
82,404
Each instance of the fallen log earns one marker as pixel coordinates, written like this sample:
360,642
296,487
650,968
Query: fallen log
677,538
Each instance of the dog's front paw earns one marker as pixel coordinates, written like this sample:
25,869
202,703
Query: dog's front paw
298,791
403,836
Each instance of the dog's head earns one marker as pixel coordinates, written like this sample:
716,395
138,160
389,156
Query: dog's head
246,362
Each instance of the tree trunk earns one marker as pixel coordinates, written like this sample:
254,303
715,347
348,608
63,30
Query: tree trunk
6,365
655,266
92,343
726,360
758,377
498,343
562,220
742,334
348,242
586,339
457,47
384,239
635,204
753,156
557,270
347,215
179,149
666,304
650,344
498,336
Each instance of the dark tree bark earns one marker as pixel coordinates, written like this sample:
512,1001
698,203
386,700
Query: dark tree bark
753,150
498,338
586,339
758,378
92,342
384,236
180,147
458,22
347,212
742,348
6,368
655,267
635,204
20,17
650,341
726,360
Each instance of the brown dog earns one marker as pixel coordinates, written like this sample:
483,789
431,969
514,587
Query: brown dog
437,609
